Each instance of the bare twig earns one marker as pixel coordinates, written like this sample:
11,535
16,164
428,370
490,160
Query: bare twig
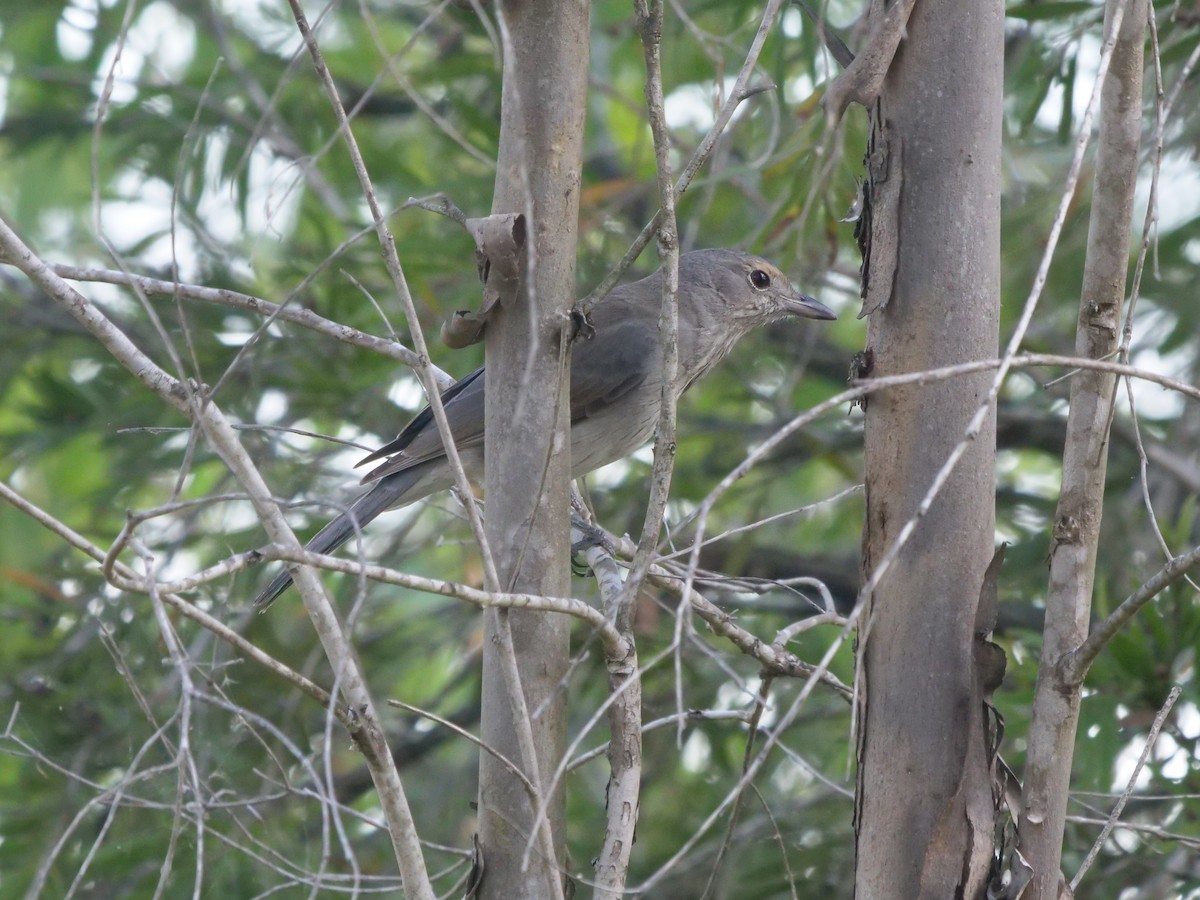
391,62
1186,840
392,262
761,699
739,92
1115,815
296,315
224,441
462,732
1073,666
694,715
625,725
650,19
1162,108
613,641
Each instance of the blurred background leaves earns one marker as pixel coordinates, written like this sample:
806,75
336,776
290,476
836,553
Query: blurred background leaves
217,162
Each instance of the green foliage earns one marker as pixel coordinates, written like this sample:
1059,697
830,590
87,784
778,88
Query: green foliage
218,141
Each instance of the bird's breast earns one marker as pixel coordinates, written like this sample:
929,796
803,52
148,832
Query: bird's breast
616,431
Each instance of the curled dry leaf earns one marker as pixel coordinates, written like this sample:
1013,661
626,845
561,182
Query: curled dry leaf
499,255
462,329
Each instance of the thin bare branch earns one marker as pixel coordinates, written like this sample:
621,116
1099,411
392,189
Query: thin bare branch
739,92
1073,666
400,283
1115,815
462,732
223,439
625,725
1076,533
306,318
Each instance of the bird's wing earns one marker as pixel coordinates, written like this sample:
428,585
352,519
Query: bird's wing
419,440
618,358
615,361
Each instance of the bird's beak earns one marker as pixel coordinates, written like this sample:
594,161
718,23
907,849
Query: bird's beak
800,305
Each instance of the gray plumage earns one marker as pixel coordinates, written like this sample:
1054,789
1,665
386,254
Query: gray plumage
616,383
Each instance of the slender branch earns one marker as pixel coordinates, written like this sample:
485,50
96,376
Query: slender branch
613,642
623,794
789,633
1076,534
1073,666
391,62
130,580
694,715
189,776
1162,109
1115,815
305,318
650,18
462,732
392,262
761,698
1187,840
740,91
223,438
741,529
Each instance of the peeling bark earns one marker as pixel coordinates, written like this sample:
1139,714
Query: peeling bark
925,805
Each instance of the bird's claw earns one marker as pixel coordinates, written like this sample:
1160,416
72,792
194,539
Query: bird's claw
589,536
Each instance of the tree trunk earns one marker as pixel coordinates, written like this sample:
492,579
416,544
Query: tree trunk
1085,458
528,458
924,812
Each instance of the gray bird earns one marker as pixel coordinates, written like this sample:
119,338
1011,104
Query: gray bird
616,379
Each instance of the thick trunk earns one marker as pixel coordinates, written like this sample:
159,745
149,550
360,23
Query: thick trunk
528,459
932,282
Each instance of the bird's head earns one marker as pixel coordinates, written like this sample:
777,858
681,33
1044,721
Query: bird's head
751,290
723,294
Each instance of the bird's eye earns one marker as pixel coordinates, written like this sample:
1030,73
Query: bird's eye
760,279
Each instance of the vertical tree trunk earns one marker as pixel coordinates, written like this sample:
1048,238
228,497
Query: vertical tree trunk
1085,457
528,451
923,816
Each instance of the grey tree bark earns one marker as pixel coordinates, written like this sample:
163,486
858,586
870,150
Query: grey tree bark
1085,456
923,816
528,464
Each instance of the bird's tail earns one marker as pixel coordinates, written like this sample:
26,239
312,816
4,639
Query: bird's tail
387,493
